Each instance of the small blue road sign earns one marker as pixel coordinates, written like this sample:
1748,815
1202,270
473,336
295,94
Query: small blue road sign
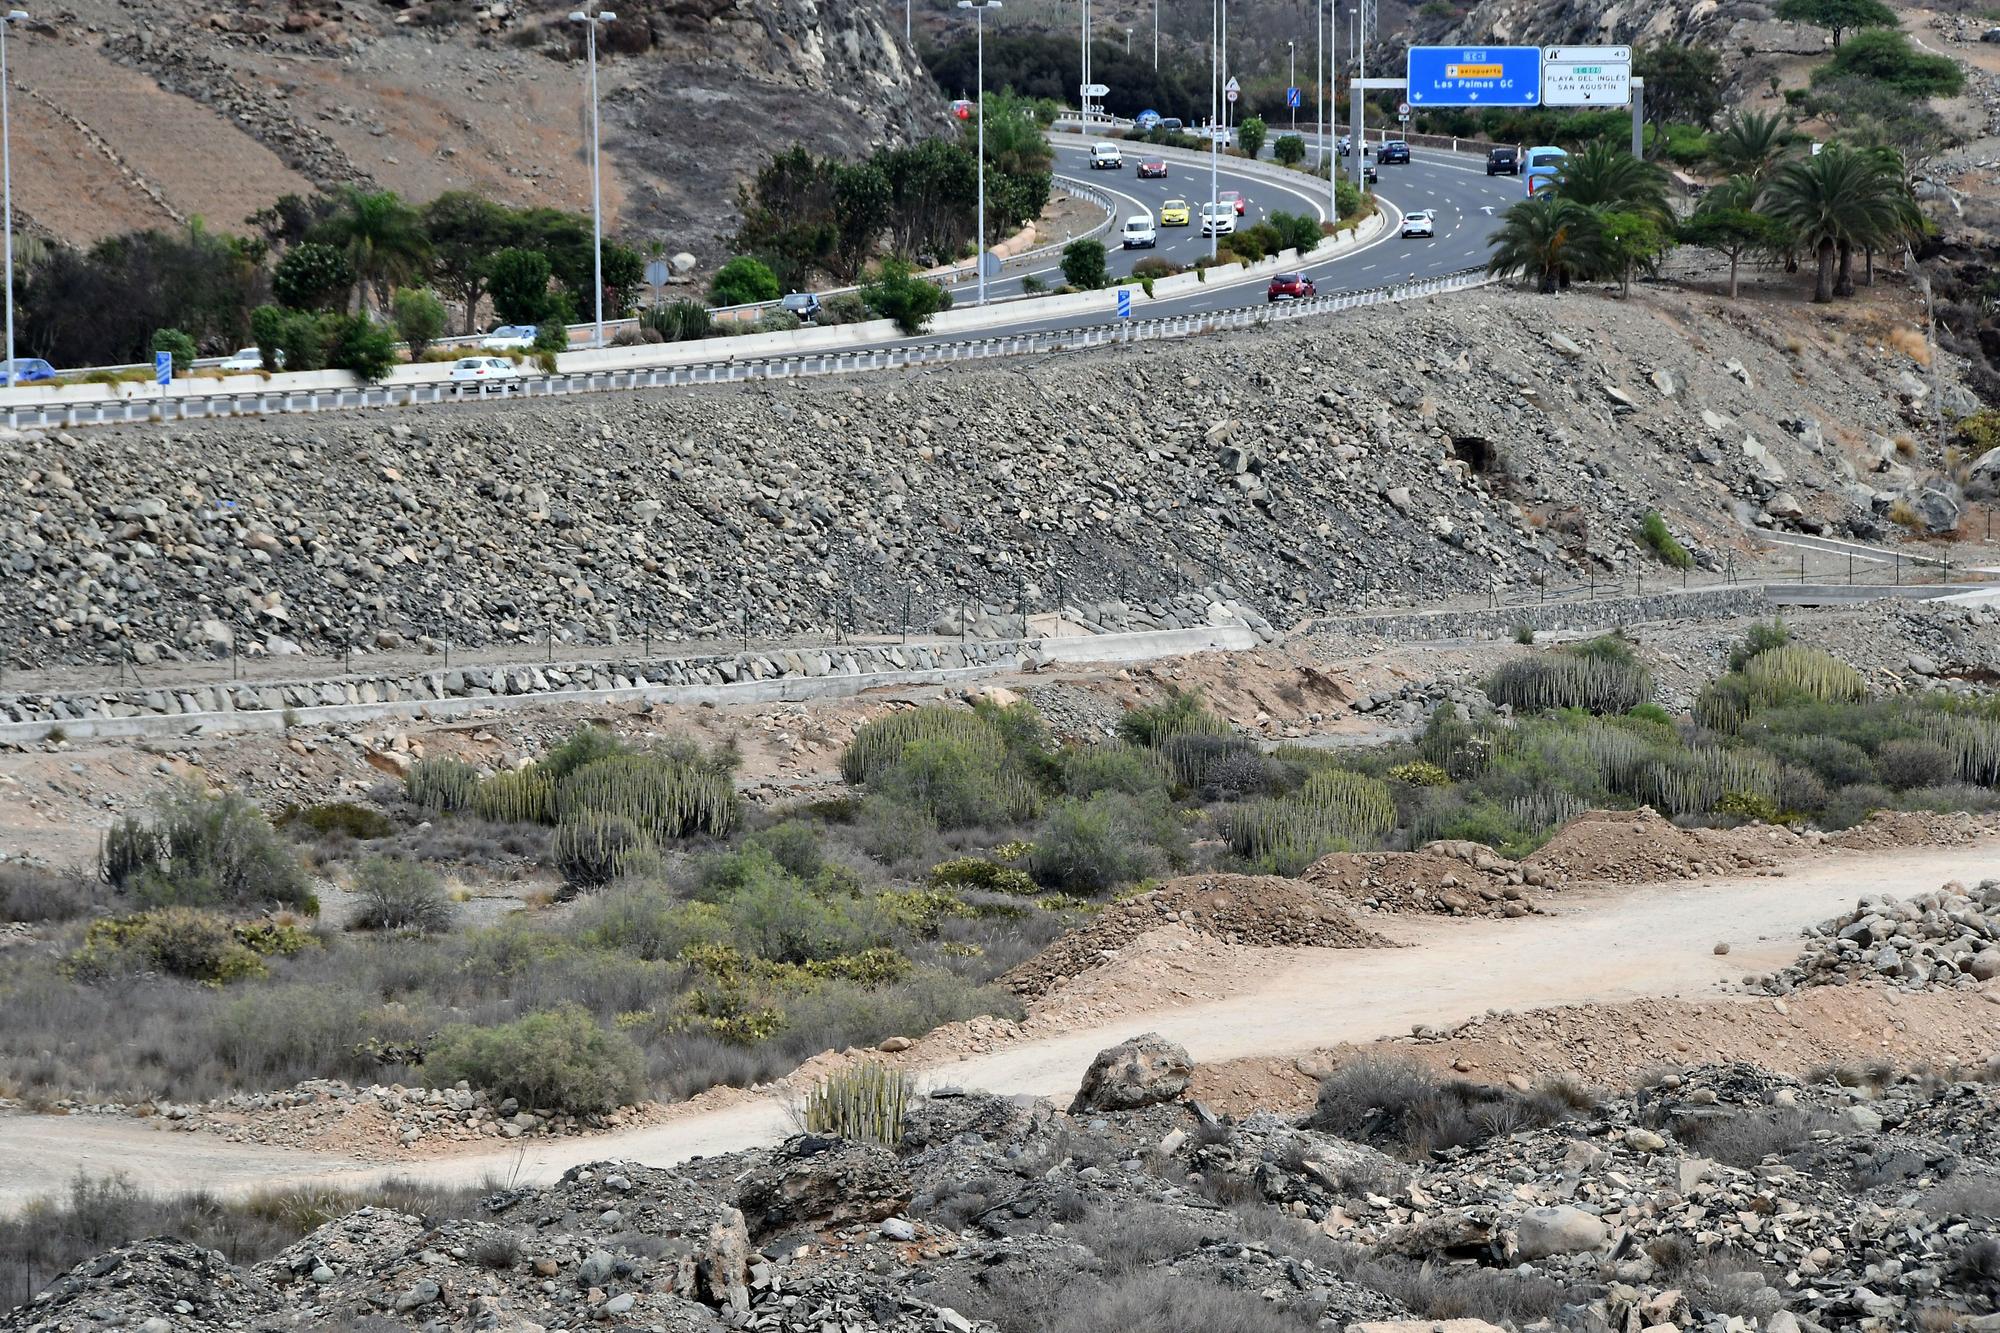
1124,303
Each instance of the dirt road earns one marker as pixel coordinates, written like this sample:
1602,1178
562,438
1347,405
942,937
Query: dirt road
1605,945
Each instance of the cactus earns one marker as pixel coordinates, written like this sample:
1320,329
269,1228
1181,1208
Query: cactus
592,849
1544,681
518,796
441,786
1812,671
1973,743
879,744
1335,809
866,1102
664,798
1544,811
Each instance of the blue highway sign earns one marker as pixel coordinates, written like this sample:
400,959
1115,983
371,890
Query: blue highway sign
1475,76
1124,303
1291,97
163,367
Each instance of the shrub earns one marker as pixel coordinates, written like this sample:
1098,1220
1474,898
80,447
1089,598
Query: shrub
298,334
29,894
1117,766
1083,264
976,872
419,318
199,850
361,346
901,294
441,786
1570,679
177,345
1290,150
744,280
400,894
1653,531
1904,764
1419,773
866,1102
1335,810
1112,839
551,341
592,848
1886,56
182,942
679,321
774,916
1399,1105
778,321
843,308
1295,231
1760,639
1156,267
1783,675
558,1059
312,276
878,745
342,819
667,793
1181,711
959,783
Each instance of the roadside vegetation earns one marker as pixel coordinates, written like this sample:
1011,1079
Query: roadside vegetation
688,939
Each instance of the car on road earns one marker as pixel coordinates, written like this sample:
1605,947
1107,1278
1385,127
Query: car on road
246,359
1423,222
1174,213
1541,166
803,304
28,370
478,371
1106,157
1289,287
1235,199
1173,125
1153,168
1503,161
1394,152
1346,145
1139,233
509,338
1369,174
1217,220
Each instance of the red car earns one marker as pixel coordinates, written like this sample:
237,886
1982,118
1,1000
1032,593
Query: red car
1234,198
1152,169
1290,287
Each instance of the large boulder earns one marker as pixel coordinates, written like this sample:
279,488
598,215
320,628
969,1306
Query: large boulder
1559,1230
1144,1071
821,1182
1936,503
1982,480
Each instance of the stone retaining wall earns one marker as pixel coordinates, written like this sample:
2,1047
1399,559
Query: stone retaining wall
1603,613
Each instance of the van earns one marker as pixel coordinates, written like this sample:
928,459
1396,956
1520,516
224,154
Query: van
1106,157
1139,233
1540,167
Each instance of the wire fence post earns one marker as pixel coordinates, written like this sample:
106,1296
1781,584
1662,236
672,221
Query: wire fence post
906,613
1591,571
1732,567
1947,565
1061,602
1899,569
1850,569
746,620
551,632
1802,567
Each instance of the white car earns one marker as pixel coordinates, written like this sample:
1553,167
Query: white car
509,338
1423,222
1106,157
484,370
1218,219
248,359
1139,233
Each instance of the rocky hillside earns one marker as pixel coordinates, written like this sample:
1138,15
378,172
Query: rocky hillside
1715,1198
132,119
1488,452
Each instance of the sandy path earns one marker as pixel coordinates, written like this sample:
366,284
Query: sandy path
1605,945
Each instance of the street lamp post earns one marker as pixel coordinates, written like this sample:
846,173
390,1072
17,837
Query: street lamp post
7,175
1156,34
1128,41
1214,121
1292,79
979,26
590,19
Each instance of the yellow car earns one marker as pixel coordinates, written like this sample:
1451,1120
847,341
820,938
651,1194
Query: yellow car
1174,213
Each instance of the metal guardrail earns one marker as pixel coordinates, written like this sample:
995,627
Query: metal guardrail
732,370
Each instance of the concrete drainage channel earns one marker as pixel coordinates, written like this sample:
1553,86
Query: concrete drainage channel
776,676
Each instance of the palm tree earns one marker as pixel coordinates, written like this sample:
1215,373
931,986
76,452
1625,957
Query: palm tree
1748,144
1837,200
1605,176
383,238
1550,239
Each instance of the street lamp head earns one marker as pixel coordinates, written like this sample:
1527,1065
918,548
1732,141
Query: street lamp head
17,16
578,16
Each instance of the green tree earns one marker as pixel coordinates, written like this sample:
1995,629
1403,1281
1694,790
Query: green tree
1727,223
1837,16
744,280
299,335
901,294
362,346
1548,238
1605,176
790,215
312,276
419,319
1250,135
1838,201
466,231
518,280
1290,149
382,237
178,345
1749,143
624,274
1886,56
1083,265
861,211
1631,241
1683,84
933,188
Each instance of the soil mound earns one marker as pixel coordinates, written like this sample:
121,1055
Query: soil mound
1262,911
1451,878
1641,847
1886,830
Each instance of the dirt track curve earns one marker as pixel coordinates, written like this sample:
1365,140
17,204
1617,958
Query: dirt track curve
1603,945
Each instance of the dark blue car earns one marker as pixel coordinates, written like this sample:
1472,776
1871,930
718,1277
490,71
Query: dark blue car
28,370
